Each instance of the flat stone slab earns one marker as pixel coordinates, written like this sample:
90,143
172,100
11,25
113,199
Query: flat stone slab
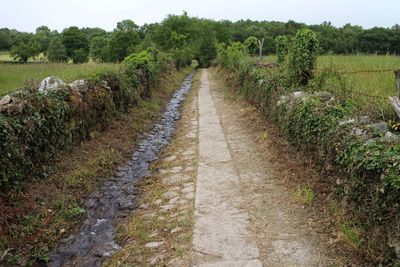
221,232
240,263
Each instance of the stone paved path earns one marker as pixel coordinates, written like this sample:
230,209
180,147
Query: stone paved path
222,235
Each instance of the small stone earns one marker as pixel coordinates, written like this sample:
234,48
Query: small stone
189,195
150,215
158,202
154,244
170,194
190,169
176,169
175,230
381,126
154,234
182,202
5,100
161,218
175,262
391,137
176,179
144,206
188,189
347,122
173,200
188,184
191,135
156,259
167,207
171,158
189,152
365,119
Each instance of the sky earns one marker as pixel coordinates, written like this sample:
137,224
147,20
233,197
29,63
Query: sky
27,15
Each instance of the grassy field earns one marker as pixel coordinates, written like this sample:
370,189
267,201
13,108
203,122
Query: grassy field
13,76
5,56
368,90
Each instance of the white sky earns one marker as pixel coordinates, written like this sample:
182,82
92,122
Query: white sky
27,15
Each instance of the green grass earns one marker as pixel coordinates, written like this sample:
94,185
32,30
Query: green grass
351,234
305,194
375,87
5,56
369,91
13,76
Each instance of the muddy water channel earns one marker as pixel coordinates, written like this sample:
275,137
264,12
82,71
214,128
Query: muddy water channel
116,199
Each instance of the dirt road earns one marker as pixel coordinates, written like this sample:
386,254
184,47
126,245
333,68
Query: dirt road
244,215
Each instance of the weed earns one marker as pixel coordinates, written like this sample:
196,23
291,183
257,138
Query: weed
351,233
305,194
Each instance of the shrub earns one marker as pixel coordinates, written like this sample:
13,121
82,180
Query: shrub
301,57
282,44
251,45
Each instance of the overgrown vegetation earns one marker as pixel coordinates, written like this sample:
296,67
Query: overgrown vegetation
35,126
314,122
33,220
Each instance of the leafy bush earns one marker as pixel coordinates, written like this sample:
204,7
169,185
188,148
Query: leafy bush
302,56
282,43
144,68
251,45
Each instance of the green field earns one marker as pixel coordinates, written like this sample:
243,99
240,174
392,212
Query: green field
13,76
5,56
368,90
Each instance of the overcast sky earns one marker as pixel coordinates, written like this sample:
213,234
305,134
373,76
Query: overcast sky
27,15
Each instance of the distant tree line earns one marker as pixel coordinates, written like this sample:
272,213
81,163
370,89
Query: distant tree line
185,38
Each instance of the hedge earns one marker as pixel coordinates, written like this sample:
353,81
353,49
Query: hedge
35,126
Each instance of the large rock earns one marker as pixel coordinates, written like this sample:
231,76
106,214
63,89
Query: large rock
391,137
292,99
80,85
49,84
5,100
380,126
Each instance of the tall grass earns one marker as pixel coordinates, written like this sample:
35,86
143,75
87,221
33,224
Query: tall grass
13,76
367,90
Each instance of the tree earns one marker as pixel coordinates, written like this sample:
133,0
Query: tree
43,36
99,48
25,47
251,45
123,40
57,51
127,25
5,39
74,41
80,55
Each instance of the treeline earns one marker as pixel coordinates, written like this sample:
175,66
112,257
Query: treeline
185,38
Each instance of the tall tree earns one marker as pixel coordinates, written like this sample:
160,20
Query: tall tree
123,40
26,47
75,41
57,51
